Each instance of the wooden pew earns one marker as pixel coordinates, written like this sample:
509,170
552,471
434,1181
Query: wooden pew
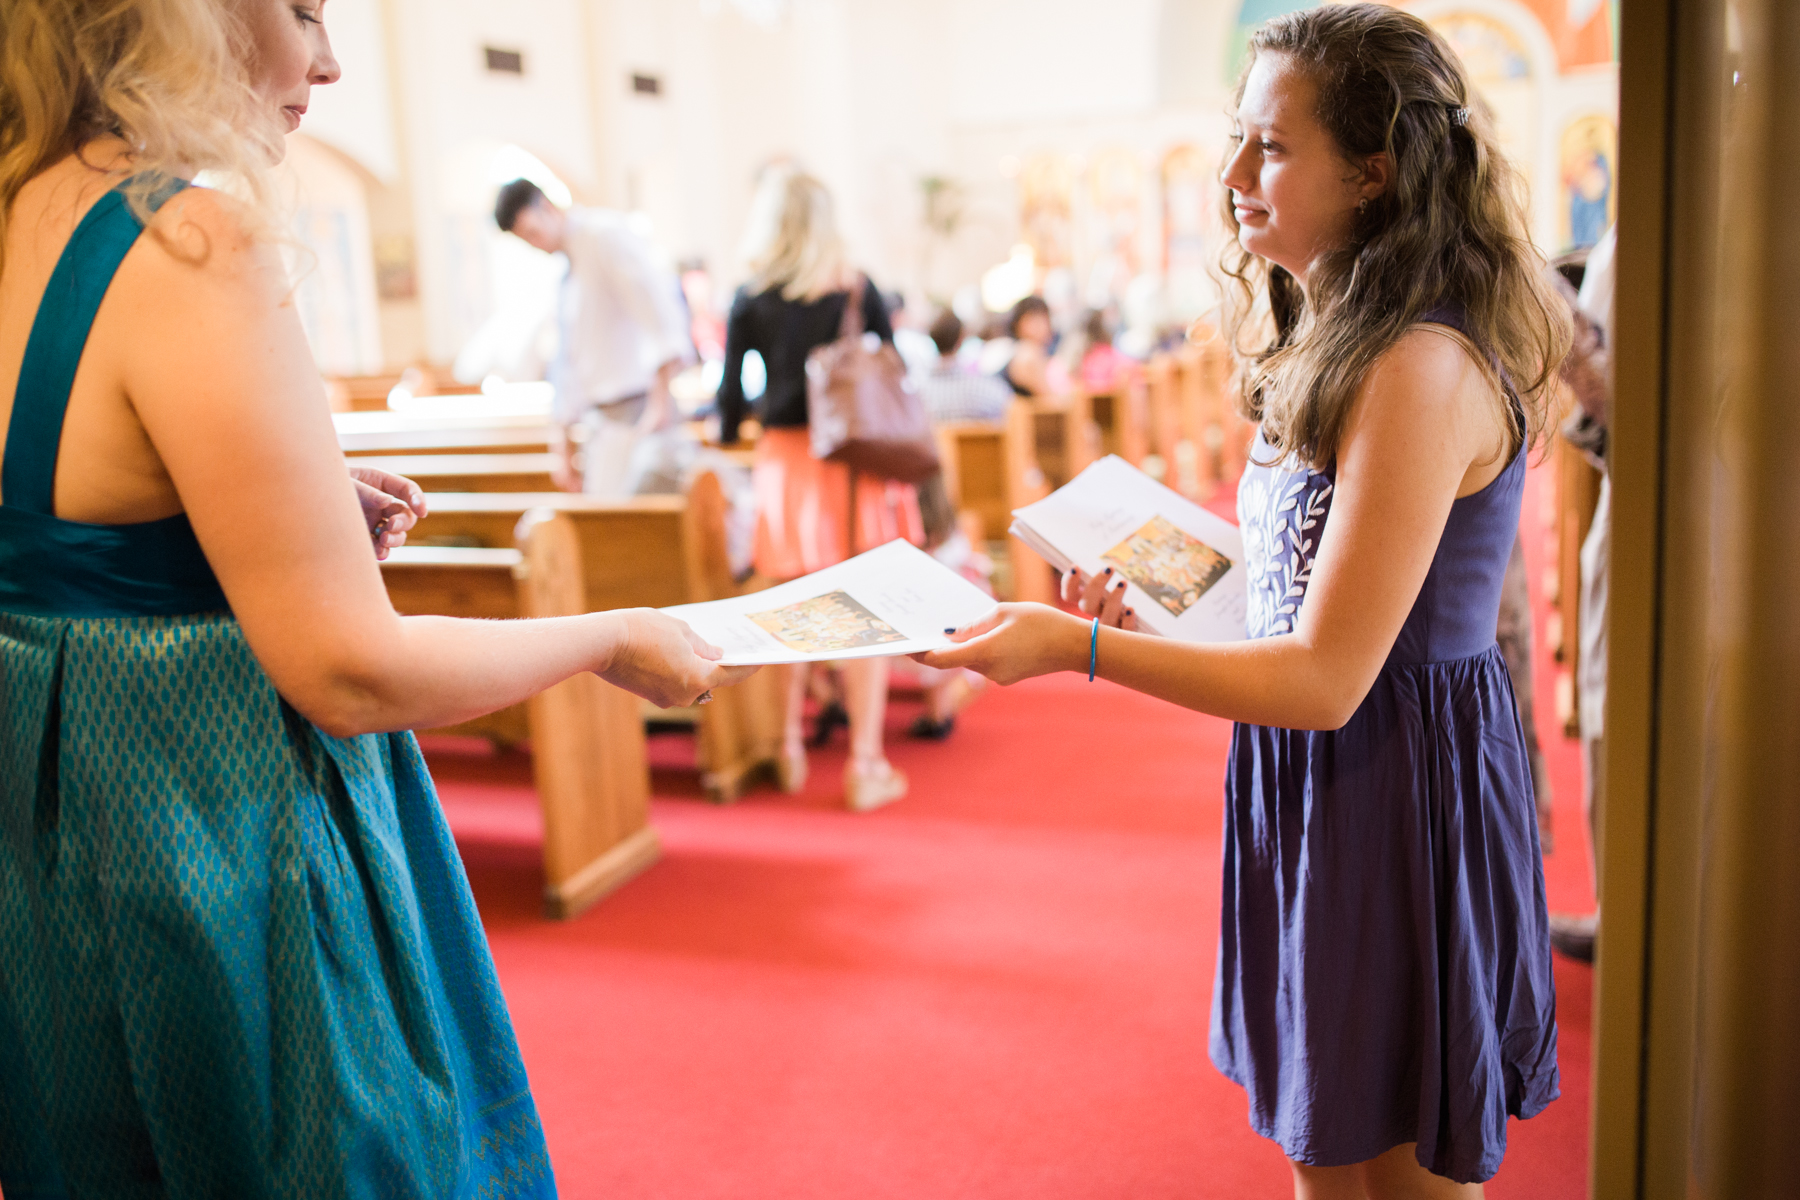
362,433
1080,434
1577,496
369,393
649,551
587,737
1226,435
1121,418
655,551
1164,403
973,454
469,472
1027,482
1197,457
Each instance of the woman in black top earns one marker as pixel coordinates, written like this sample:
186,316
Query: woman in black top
1033,335
793,304
784,332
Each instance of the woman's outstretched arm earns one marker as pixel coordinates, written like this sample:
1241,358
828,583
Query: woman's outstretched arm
214,362
1425,430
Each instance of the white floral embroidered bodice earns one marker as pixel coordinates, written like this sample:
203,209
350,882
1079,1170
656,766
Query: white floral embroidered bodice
1281,509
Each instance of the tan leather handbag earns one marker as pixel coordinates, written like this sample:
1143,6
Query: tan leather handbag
862,409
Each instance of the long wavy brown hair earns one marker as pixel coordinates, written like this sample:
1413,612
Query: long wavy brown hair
168,77
1450,229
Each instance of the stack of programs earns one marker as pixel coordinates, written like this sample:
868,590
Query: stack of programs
1183,566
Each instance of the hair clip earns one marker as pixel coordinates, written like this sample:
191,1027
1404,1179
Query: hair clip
1459,116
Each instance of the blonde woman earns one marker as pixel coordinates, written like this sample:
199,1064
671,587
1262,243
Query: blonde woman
793,304
238,955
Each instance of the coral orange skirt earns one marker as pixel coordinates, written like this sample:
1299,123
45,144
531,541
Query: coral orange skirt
803,508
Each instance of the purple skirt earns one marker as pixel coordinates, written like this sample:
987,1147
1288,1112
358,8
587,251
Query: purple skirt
1384,958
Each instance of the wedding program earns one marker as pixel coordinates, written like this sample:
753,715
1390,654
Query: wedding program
895,599
1183,566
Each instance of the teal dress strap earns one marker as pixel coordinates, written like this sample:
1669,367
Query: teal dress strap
51,567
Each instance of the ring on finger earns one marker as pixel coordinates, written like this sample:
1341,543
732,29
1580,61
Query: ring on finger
705,697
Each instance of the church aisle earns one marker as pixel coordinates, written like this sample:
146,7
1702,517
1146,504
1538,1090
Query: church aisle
997,988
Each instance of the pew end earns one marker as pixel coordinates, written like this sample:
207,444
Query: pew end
587,743
593,772
658,551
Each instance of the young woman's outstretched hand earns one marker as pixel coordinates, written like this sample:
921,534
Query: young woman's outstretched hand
660,658
1017,641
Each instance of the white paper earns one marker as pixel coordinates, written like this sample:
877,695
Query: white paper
895,599
1183,566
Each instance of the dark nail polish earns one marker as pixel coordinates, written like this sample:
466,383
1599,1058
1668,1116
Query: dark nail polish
1108,571
950,630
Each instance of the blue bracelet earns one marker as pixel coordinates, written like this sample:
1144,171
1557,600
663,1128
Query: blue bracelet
1093,649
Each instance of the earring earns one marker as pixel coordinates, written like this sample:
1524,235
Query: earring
1362,206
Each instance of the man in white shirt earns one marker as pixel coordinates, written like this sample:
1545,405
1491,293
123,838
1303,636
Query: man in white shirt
624,333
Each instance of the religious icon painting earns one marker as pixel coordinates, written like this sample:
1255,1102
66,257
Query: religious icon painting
1588,195
1169,565
1111,218
1189,192
834,621
1046,208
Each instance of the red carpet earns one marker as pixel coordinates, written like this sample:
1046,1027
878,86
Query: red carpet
997,988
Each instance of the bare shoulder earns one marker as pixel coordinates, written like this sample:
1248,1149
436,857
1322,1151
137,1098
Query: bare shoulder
1428,398
1429,376
1430,362
203,235
203,295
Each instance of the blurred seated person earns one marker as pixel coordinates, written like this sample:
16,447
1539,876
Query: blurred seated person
1028,371
954,392
1103,368
913,343
624,333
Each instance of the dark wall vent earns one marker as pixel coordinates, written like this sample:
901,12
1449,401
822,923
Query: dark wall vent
507,62
647,85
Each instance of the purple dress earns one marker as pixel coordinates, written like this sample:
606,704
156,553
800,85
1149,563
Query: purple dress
1384,957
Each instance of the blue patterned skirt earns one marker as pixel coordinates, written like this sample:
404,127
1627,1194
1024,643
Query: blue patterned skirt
238,957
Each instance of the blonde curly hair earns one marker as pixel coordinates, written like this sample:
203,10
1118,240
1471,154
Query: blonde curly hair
168,77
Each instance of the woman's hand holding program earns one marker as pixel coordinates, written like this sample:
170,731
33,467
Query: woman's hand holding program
660,658
391,505
1017,641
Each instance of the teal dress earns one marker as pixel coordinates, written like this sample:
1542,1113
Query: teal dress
238,957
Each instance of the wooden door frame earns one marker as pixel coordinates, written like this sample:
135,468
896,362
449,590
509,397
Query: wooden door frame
1696,1052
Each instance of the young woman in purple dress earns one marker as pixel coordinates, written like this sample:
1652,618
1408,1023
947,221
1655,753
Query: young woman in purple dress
1383,991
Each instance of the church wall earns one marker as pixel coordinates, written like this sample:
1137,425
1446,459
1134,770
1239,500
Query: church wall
989,96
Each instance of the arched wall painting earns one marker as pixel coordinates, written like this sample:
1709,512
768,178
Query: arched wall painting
334,270
1189,192
1500,68
1046,208
1584,32
1588,195
1112,216
1252,13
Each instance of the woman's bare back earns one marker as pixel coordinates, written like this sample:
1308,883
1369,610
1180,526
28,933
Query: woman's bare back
108,470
